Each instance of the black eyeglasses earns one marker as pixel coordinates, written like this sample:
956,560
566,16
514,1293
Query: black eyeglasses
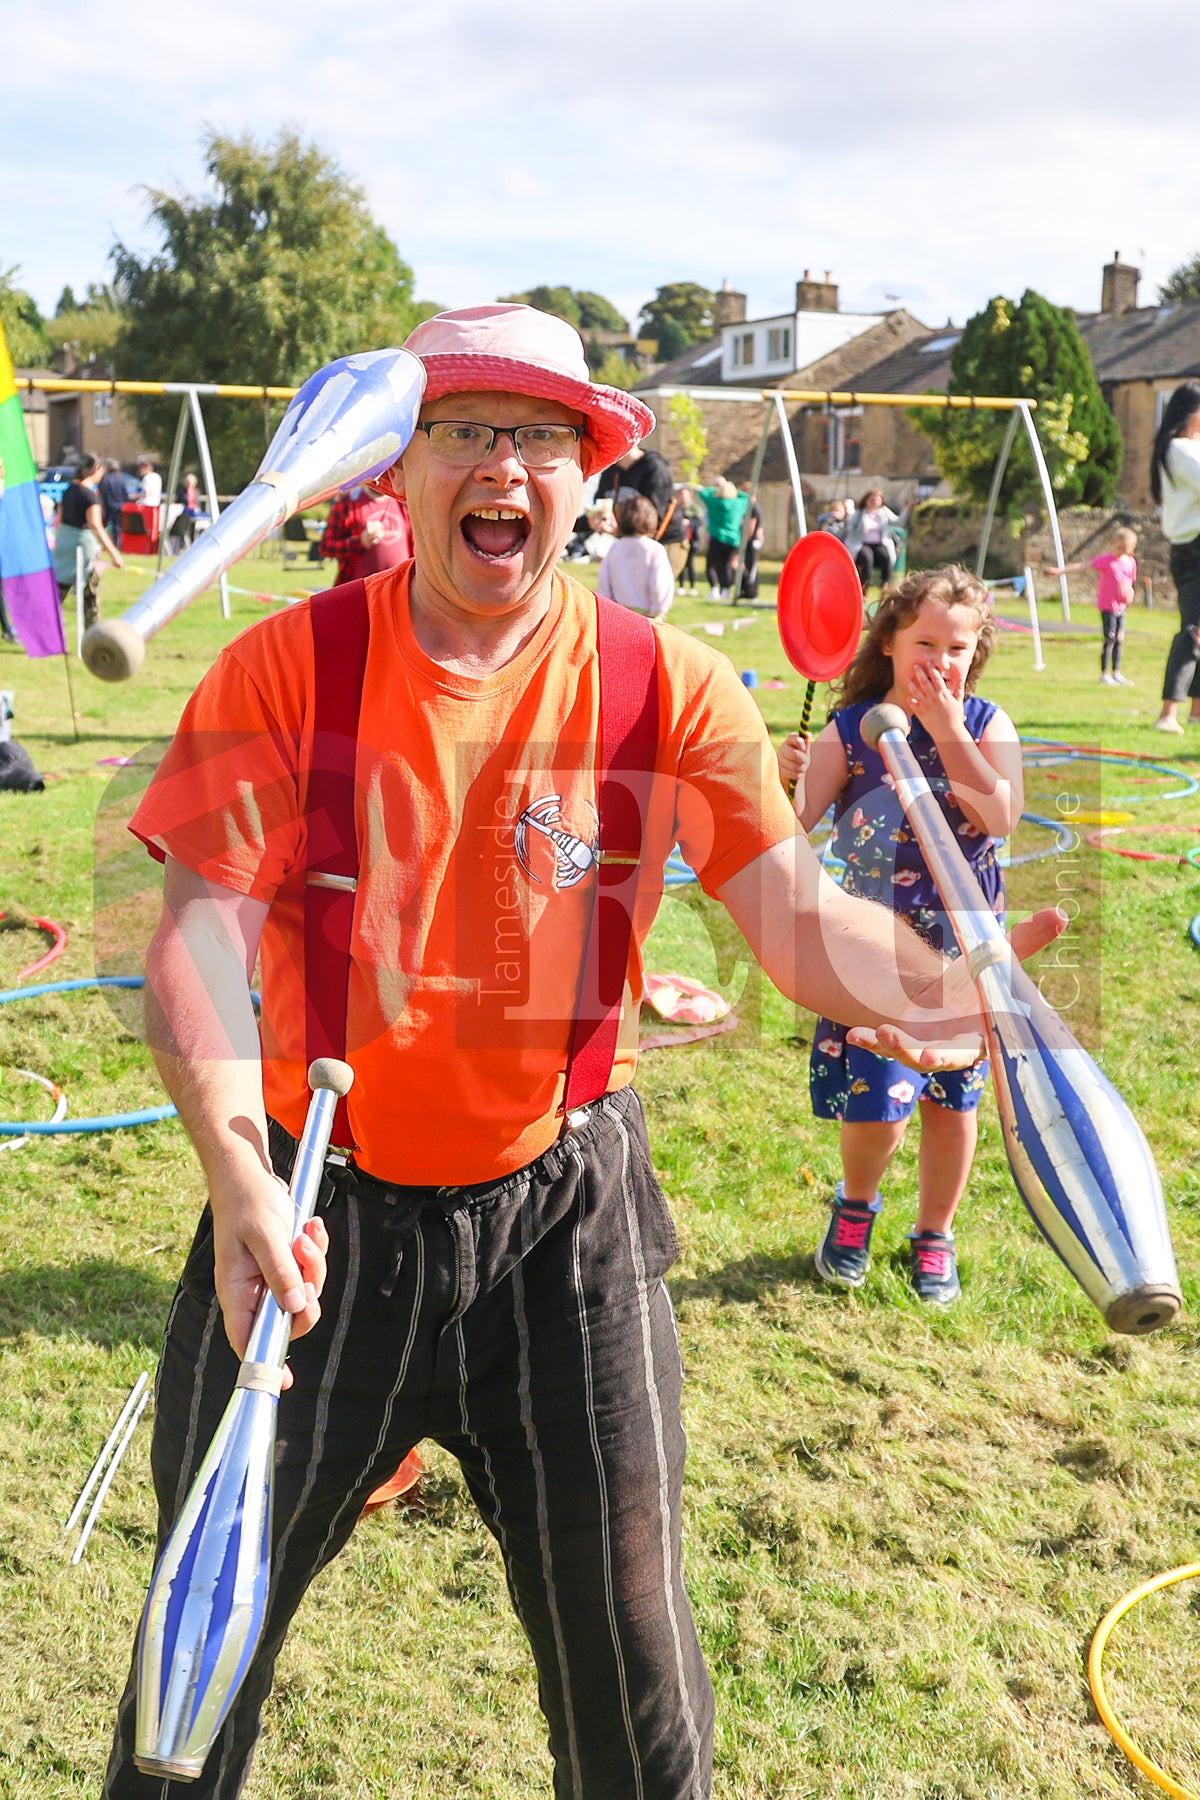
460,442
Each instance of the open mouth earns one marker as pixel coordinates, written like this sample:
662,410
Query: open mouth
495,533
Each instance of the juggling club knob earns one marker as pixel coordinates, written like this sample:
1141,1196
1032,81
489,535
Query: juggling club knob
329,1072
880,719
112,650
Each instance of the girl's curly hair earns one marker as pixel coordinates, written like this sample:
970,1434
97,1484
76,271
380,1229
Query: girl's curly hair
870,674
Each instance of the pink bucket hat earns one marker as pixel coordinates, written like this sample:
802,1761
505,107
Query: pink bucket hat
519,350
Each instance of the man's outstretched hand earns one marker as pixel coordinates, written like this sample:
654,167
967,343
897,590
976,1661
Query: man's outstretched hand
948,1034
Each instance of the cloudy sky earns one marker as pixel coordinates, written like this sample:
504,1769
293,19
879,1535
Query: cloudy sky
938,151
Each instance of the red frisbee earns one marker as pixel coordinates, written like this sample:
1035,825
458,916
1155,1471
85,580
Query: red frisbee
820,607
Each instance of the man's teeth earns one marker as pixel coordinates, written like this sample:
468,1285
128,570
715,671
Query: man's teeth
486,512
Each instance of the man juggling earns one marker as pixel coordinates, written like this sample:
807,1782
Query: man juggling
436,805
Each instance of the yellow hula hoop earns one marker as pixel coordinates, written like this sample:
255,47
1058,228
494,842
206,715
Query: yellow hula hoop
1113,1725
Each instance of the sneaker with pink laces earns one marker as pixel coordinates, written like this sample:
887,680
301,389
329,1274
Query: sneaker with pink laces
844,1254
934,1267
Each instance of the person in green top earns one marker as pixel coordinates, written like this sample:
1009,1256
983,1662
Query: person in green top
726,509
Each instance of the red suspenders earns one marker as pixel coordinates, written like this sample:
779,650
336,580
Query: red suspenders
625,756
340,628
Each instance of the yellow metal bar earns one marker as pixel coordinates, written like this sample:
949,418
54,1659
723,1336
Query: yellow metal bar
227,391
826,397
215,390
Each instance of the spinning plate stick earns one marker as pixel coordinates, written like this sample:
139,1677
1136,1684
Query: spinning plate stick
1076,1152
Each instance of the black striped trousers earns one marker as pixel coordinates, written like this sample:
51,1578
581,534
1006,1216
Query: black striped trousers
525,1326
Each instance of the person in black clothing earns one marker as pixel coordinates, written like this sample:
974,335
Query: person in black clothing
754,544
113,495
81,528
646,472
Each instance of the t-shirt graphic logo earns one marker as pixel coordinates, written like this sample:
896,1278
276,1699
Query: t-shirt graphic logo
573,858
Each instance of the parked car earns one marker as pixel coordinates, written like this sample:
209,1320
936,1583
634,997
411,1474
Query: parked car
54,481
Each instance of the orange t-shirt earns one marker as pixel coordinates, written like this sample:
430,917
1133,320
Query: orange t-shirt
476,824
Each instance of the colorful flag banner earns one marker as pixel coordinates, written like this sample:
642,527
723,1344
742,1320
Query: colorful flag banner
30,590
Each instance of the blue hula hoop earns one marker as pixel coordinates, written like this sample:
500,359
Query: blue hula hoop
1064,839
676,872
1075,753
149,1115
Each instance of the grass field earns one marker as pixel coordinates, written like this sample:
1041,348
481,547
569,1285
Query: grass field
901,1526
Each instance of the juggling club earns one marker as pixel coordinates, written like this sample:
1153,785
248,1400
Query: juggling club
1077,1154
207,1602
349,422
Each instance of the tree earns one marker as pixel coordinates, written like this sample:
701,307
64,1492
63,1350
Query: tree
557,300
578,306
24,327
90,327
277,270
598,314
1183,283
613,369
688,419
1032,350
673,340
683,304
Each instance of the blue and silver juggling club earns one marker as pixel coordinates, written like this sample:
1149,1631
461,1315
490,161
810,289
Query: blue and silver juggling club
207,1602
349,422
1077,1154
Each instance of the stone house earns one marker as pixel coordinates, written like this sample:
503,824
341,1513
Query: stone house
36,413
1140,355
841,449
97,422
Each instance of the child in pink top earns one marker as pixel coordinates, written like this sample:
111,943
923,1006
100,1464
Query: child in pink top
1116,572
637,571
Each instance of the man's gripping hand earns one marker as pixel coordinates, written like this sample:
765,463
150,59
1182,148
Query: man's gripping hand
254,1250
946,1031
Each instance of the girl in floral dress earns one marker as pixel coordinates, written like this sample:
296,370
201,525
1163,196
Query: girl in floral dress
924,651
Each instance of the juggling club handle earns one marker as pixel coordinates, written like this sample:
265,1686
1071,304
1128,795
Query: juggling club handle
271,1332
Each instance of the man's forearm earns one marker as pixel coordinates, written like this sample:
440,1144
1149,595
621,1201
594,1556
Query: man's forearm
833,953
202,1028
204,1038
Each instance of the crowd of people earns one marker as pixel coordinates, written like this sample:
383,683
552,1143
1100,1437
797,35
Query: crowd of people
660,529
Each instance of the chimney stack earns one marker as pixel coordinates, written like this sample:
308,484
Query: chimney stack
817,296
729,307
1119,291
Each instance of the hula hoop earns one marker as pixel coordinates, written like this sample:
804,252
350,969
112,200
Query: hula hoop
60,1107
58,943
1123,758
1112,1724
677,873
1064,839
1097,839
1193,856
149,1115
1194,931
